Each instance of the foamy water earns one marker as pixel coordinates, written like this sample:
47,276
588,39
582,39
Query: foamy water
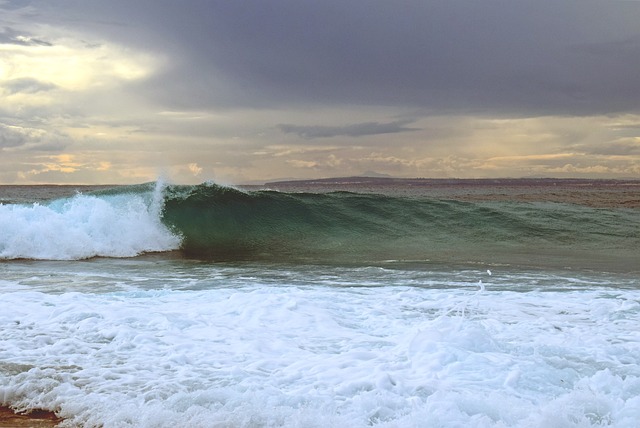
85,226
161,343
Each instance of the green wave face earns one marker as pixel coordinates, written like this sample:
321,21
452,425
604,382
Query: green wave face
228,224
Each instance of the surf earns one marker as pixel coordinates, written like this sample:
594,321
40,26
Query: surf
221,223
119,223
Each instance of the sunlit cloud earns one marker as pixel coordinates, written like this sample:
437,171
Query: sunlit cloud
297,163
72,65
195,169
64,163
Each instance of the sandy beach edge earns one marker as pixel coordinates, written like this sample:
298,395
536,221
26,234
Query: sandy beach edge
35,419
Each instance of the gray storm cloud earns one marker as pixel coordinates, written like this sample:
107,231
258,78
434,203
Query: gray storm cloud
523,58
353,130
28,85
11,36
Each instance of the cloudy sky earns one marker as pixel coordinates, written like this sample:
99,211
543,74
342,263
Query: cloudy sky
126,91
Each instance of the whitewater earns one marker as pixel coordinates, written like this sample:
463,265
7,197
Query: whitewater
85,226
207,306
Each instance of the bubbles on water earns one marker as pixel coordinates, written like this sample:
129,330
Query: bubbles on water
163,343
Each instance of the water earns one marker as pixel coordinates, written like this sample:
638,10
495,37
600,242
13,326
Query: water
207,306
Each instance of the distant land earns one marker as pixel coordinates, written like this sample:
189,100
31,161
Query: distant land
390,181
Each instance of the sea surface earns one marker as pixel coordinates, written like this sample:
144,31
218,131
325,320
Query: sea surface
323,304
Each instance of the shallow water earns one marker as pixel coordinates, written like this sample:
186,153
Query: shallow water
149,342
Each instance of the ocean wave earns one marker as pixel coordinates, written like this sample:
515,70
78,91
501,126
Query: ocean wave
216,222
222,222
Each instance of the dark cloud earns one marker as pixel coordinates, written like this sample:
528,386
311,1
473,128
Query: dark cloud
630,147
11,138
9,36
14,4
353,130
538,57
31,138
28,86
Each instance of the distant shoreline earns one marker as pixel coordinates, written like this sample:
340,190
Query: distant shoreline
458,181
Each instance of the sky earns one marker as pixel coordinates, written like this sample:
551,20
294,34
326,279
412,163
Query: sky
118,92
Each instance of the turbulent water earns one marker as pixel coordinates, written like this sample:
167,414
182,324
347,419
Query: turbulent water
162,305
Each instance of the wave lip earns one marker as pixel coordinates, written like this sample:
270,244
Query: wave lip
85,226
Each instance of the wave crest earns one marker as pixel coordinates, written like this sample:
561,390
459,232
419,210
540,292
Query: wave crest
84,226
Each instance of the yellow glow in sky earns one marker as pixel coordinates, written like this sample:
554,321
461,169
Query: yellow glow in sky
72,66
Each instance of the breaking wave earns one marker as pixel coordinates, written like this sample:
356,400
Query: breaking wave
210,221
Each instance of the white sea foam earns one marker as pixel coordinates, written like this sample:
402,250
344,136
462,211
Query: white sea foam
85,226
245,346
